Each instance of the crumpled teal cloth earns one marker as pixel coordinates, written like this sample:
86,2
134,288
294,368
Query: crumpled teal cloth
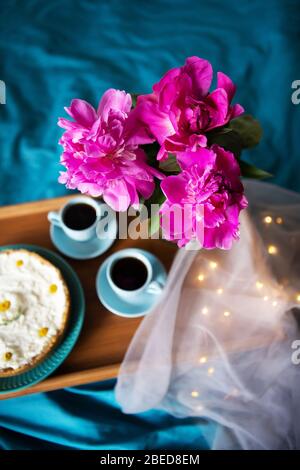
88,417
54,51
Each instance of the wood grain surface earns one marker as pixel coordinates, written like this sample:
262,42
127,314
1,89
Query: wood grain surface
104,337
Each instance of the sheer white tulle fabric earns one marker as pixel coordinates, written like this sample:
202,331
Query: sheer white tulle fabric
219,345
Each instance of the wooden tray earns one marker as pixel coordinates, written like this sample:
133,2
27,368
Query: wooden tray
104,337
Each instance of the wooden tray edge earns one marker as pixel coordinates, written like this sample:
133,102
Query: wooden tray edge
34,207
68,380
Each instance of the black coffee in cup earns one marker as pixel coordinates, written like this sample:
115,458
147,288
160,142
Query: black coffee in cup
129,273
79,216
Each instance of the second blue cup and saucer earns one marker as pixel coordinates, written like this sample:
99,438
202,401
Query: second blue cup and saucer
83,229
130,282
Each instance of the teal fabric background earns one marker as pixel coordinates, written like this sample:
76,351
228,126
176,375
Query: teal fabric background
54,51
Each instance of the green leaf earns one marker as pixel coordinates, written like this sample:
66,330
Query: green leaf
248,129
157,197
154,225
134,97
242,133
220,131
250,171
170,165
151,151
226,138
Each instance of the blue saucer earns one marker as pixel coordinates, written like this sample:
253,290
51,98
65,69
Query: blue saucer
83,250
124,308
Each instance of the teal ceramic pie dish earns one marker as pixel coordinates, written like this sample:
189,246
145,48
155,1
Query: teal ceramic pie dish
63,349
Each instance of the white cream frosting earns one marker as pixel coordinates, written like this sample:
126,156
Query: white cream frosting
27,306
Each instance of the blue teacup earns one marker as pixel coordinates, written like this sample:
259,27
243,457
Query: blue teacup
130,275
83,234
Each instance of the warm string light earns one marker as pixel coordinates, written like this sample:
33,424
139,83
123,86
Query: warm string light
200,408
268,219
195,394
213,265
259,286
204,311
272,250
267,298
298,298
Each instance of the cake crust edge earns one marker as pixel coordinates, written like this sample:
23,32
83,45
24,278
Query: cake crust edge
55,339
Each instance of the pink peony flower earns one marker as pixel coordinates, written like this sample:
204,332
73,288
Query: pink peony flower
207,196
101,155
180,111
